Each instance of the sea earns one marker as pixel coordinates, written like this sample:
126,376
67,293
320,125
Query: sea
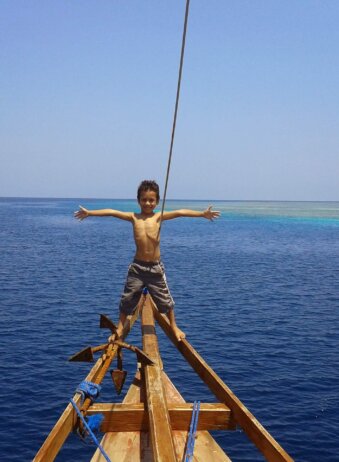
256,291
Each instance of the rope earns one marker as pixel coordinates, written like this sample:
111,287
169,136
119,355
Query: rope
193,429
101,449
89,390
175,110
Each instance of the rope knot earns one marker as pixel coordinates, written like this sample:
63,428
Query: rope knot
88,390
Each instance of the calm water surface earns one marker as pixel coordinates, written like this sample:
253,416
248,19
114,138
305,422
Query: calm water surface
257,293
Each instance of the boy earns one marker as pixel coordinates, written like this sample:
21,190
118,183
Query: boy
147,269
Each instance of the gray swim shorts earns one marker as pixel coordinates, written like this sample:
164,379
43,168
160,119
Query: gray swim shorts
146,274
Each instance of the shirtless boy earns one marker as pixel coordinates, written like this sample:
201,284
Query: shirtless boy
147,269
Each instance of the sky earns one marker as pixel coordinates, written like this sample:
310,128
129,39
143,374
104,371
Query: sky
87,93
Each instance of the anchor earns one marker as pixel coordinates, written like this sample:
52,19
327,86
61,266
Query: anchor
105,322
118,375
87,354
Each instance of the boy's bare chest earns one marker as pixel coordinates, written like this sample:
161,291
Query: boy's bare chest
146,227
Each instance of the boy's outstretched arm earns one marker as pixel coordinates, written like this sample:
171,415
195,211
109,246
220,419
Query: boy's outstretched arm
209,214
84,213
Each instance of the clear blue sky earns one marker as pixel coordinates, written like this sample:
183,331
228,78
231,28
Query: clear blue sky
88,88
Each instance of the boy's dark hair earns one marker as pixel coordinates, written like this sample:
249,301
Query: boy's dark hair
148,185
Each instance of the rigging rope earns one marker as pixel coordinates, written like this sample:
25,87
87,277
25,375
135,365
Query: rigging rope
175,110
192,432
88,428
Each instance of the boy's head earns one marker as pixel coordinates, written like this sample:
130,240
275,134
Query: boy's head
148,196
148,185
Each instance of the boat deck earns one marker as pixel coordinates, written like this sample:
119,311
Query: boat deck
152,422
136,446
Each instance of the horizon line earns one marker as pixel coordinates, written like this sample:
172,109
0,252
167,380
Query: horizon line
167,199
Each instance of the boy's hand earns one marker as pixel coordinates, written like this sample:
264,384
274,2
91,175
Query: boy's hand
81,214
211,214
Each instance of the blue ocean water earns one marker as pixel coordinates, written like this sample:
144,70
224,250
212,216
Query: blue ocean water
256,291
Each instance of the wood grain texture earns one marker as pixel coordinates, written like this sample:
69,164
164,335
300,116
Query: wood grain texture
158,417
136,446
206,449
134,417
124,446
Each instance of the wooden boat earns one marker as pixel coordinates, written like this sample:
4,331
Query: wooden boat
152,422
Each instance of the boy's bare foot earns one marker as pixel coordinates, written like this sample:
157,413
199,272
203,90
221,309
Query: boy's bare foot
178,333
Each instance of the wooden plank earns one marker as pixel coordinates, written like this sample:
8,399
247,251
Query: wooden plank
67,420
134,417
206,449
158,416
123,446
212,416
269,447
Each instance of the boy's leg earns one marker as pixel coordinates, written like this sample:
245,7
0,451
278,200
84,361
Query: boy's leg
158,288
130,297
121,323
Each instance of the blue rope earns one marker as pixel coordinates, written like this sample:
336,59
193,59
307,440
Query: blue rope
193,429
88,390
101,449
94,421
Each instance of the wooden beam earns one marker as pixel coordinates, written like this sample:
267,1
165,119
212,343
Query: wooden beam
123,446
269,447
134,417
158,416
68,419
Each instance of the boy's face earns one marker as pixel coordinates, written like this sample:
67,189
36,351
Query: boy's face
148,201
